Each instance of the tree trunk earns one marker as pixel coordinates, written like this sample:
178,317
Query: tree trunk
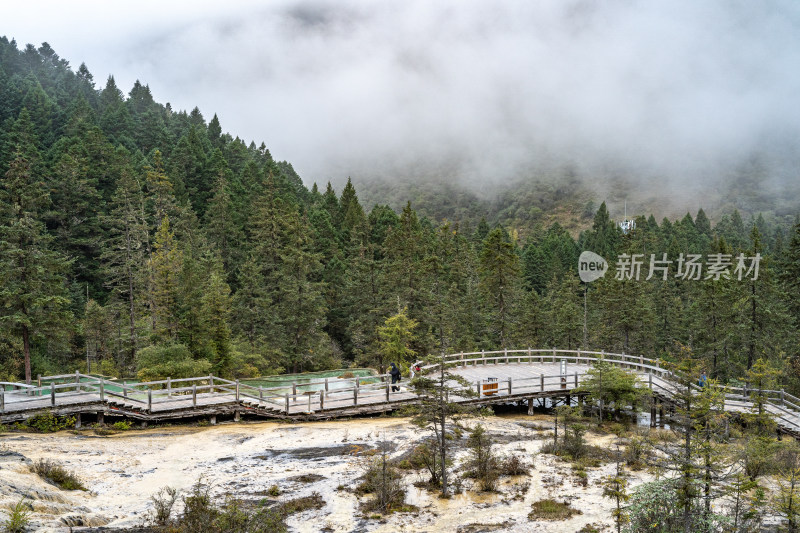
26,350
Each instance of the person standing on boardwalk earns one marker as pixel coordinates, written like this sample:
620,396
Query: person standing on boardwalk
703,379
395,373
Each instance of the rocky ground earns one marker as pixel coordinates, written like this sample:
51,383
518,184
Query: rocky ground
123,470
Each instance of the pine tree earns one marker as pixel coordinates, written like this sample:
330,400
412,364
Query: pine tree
124,252
500,283
33,300
165,267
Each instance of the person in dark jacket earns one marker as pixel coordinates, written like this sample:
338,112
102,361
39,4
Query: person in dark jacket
395,373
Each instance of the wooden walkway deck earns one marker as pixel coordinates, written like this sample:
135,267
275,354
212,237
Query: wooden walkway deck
508,376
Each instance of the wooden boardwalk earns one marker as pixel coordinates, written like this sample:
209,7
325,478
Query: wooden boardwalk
508,376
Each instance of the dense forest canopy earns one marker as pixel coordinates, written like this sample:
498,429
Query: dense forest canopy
143,240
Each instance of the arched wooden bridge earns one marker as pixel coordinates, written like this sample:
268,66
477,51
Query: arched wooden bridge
507,376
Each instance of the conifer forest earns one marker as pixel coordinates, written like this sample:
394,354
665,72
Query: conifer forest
141,240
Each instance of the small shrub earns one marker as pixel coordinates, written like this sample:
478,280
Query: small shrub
346,375
18,517
122,425
385,483
274,491
163,502
552,510
636,453
54,473
513,466
49,423
298,505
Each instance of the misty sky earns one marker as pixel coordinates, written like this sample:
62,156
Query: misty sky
679,88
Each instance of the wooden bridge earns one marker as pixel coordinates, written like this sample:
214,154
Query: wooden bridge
507,376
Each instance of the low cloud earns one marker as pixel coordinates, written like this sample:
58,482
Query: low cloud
683,92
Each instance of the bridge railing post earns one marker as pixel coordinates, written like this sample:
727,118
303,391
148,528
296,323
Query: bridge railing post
169,387
149,401
326,384
52,393
124,389
509,386
321,400
479,387
541,382
530,357
388,385
650,381
505,352
554,354
355,394
576,380
194,394
102,392
483,357
783,397
3,399
286,397
237,390
462,358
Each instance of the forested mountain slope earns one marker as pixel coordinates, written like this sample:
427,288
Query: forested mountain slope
149,242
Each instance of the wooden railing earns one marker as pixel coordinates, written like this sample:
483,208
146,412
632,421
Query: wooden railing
317,395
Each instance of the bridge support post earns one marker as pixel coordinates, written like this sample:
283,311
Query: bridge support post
212,420
143,424
237,415
652,413
661,414
530,406
78,421
101,419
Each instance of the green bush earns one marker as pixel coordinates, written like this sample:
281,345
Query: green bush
122,425
169,361
49,423
552,510
54,473
18,517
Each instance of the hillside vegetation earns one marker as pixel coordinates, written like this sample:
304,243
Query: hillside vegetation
144,240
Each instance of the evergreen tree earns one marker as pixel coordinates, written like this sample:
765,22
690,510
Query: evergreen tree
33,300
